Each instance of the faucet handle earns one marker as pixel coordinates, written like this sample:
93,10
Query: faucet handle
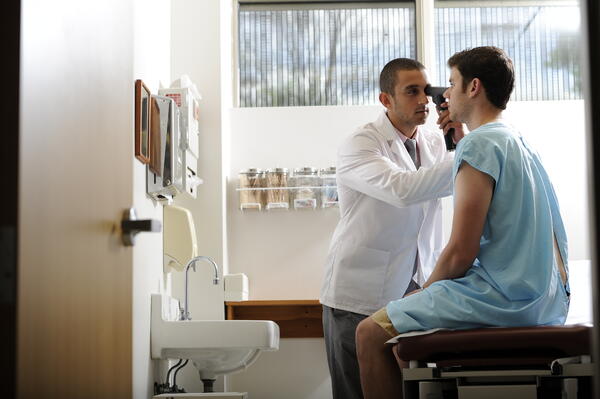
182,315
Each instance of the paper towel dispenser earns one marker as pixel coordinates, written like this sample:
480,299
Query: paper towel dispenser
165,170
186,96
179,238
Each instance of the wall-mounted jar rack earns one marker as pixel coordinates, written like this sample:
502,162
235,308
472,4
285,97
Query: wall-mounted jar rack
268,190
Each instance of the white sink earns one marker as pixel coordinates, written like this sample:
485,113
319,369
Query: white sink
215,346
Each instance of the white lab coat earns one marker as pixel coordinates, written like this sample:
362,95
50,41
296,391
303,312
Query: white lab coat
388,210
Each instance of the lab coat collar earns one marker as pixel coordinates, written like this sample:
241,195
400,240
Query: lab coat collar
390,134
385,127
388,130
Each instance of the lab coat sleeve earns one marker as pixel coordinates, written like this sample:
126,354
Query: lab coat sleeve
363,167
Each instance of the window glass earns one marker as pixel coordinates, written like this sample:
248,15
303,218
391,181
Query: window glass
541,37
294,55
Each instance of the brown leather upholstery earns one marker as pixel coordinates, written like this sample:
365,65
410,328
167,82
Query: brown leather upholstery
496,346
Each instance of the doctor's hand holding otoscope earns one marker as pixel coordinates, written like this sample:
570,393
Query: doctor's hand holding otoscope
453,131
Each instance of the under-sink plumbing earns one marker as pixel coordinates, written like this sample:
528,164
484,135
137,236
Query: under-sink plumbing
167,387
185,313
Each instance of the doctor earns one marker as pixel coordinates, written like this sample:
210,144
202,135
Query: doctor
391,174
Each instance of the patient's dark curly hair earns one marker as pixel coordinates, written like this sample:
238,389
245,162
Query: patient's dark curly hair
492,66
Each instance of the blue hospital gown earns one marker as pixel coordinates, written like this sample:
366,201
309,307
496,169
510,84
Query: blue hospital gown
514,280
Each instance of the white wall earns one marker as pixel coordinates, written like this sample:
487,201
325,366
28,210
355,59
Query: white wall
197,51
557,131
277,250
151,60
163,51
298,370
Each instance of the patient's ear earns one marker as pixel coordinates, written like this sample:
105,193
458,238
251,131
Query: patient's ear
475,88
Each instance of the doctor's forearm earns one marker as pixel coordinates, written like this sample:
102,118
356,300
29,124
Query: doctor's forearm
423,185
399,188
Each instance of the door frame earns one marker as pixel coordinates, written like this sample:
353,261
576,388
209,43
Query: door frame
590,11
9,172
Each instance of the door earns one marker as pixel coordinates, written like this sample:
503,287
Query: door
76,162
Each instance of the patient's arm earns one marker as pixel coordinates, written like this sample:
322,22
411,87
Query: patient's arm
472,196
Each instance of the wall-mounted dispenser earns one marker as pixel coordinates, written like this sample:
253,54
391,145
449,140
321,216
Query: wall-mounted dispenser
165,175
186,96
179,238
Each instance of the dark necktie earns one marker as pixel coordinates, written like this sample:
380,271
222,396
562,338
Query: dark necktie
411,147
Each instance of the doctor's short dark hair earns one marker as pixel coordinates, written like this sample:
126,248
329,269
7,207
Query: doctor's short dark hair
492,66
387,78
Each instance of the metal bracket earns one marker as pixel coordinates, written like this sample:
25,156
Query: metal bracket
130,226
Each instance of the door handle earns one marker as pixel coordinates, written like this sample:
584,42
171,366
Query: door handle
131,225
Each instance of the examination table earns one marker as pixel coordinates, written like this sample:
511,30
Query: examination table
490,363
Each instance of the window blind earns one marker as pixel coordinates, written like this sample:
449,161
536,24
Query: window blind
321,56
542,41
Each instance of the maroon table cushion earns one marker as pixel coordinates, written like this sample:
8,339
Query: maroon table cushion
498,346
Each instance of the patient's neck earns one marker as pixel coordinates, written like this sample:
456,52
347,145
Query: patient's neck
483,115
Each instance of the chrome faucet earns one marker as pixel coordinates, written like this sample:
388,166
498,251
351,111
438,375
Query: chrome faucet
185,313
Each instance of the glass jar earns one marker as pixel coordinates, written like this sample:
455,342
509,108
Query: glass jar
252,183
329,193
277,198
306,182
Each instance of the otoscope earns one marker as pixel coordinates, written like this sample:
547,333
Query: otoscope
437,95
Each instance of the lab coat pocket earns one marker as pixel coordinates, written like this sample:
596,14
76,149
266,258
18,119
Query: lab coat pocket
361,275
428,263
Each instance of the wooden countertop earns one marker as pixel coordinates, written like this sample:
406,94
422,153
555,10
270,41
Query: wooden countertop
297,318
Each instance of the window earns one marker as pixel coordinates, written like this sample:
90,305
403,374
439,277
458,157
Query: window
311,53
541,37
332,55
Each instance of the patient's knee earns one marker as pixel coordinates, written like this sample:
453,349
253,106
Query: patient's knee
369,335
362,329
362,335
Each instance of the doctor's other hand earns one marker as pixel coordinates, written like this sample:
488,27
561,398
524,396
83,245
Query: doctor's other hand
413,292
446,124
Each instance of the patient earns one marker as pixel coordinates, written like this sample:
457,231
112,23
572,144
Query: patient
503,264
